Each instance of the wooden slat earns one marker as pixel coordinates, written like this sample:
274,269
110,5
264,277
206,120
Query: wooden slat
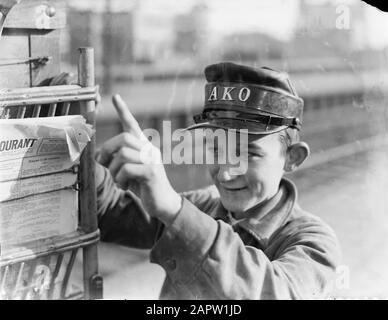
27,288
44,91
55,275
69,268
65,109
52,109
39,248
45,287
36,111
5,113
18,282
3,280
46,100
47,95
21,112
28,291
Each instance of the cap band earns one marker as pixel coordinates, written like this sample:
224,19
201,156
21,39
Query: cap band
254,97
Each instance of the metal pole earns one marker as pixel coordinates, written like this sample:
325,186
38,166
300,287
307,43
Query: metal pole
88,205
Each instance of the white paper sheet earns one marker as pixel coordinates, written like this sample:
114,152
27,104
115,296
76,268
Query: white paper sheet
31,146
39,216
38,198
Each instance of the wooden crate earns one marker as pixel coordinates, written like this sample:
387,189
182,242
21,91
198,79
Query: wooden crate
29,55
30,49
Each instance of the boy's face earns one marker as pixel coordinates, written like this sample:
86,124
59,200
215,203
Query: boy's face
260,182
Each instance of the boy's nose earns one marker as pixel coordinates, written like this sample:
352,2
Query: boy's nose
225,173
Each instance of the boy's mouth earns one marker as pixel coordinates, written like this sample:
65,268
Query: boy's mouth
233,188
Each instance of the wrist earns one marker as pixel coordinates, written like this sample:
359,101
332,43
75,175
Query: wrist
173,205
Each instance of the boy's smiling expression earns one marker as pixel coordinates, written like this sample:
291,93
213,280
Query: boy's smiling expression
260,182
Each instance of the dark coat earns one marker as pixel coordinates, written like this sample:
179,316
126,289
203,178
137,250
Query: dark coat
278,251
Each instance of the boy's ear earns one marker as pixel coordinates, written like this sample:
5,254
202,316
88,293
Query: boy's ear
296,154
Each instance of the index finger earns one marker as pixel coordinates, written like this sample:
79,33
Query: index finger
128,121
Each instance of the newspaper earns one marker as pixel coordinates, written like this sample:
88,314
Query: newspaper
38,176
39,216
16,189
30,147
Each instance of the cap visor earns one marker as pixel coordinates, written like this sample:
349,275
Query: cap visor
232,124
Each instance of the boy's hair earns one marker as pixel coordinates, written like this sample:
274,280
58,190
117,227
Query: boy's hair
288,137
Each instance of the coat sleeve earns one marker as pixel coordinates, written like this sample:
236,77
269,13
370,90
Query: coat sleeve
121,216
211,262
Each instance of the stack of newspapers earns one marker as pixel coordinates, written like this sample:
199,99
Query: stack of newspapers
39,161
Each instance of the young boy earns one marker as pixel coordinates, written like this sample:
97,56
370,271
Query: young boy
243,238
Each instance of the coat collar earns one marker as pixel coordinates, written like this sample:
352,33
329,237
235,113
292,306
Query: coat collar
262,220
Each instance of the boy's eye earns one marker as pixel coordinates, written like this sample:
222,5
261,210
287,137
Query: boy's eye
254,155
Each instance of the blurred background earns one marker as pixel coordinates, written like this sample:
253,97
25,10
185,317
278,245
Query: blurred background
154,52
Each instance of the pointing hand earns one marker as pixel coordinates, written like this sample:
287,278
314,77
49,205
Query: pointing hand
136,164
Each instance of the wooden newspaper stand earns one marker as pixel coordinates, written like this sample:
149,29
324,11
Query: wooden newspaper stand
29,54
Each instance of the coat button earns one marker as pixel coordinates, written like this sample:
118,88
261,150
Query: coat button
171,264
